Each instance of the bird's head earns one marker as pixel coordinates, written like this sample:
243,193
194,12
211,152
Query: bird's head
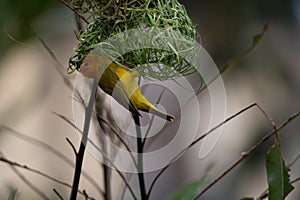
89,67
92,66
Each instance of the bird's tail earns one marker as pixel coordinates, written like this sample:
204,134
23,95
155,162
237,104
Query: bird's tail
160,114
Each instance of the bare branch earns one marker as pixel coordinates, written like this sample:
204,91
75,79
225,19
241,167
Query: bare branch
108,124
235,60
57,194
87,196
213,129
117,170
78,23
195,142
293,161
84,138
75,11
15,164
23,178
265,193
246,154
295,180
268,117
72,146
59,67
52,150
119,137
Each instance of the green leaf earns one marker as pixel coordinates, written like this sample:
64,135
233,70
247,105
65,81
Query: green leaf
257,38
277,173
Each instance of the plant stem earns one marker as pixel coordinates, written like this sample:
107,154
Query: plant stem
106,171
107,176
140,147
80,154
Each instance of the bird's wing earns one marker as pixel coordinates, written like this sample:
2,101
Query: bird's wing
118,92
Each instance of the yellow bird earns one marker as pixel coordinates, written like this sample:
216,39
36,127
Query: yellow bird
119,82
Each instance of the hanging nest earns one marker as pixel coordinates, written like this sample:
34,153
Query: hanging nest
112,17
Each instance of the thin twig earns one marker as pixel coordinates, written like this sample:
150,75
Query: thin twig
107,179
52,150
78,23
295,180
205,135
120,138
128,178
57,194
107,123
265,193
235,60
84,138
12,163
232,62
117,170
85,195
195,142
271,121
105,167
79,156
75,11
293,161
72,145
23,178
268,117
59,67
246,154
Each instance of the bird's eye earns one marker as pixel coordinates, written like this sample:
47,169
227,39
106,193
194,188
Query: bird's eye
86,64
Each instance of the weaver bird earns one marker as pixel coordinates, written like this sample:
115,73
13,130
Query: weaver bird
120,83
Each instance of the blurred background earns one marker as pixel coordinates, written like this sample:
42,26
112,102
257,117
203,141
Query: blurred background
31,89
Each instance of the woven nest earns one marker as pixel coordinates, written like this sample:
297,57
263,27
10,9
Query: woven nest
109,18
